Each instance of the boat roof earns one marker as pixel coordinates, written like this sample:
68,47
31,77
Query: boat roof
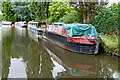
57,23
73,23
35,22
80,29
6,21
85,24
32,22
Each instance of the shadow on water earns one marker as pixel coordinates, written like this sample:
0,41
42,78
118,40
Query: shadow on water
24,55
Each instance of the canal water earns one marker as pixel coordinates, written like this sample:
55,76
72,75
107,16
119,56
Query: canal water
25,55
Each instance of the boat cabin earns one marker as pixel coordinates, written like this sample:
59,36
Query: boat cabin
36,24
73,30
58,28
21,24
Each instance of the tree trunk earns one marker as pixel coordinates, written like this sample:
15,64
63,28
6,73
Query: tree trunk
47,12
41,9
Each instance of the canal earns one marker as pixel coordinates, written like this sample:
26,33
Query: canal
25,55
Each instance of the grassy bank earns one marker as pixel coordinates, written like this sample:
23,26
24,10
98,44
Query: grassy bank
109,44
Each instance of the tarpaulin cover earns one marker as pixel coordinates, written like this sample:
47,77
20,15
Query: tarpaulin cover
77,29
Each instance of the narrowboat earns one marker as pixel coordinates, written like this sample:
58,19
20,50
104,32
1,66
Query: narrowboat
81,38
21,24
6,23
36,26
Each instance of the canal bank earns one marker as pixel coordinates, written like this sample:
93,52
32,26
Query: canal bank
110,45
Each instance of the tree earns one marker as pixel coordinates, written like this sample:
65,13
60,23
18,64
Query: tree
89,8
58,10
40,9
72,17
106,20
8,14
22,11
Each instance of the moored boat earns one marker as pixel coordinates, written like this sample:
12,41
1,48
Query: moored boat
21,24
6,23
81,38
36,26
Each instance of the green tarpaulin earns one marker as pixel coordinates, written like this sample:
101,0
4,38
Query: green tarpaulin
78,29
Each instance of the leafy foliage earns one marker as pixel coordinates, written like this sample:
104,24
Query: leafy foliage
58,10
22,11
72,17
8,14
0,6
39,9
107,19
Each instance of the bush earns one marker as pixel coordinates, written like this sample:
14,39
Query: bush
58,10
37,19
107,19
72,17
8,14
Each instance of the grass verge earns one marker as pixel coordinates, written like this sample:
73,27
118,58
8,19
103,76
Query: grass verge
109,44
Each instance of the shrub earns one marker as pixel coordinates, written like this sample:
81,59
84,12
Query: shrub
107,19
72,17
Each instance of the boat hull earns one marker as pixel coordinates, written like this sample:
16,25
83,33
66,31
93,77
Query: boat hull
23,26
7,24
75,47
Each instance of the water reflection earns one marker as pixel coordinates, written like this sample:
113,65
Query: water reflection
76,65
84,66
19,31
33,36
6,50
6,31
24,55
17,69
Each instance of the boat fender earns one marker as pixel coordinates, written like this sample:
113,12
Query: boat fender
97,42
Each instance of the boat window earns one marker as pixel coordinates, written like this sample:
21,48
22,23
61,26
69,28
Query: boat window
60,24
55,25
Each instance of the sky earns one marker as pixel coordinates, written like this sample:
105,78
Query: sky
110,3
0,13
113,1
